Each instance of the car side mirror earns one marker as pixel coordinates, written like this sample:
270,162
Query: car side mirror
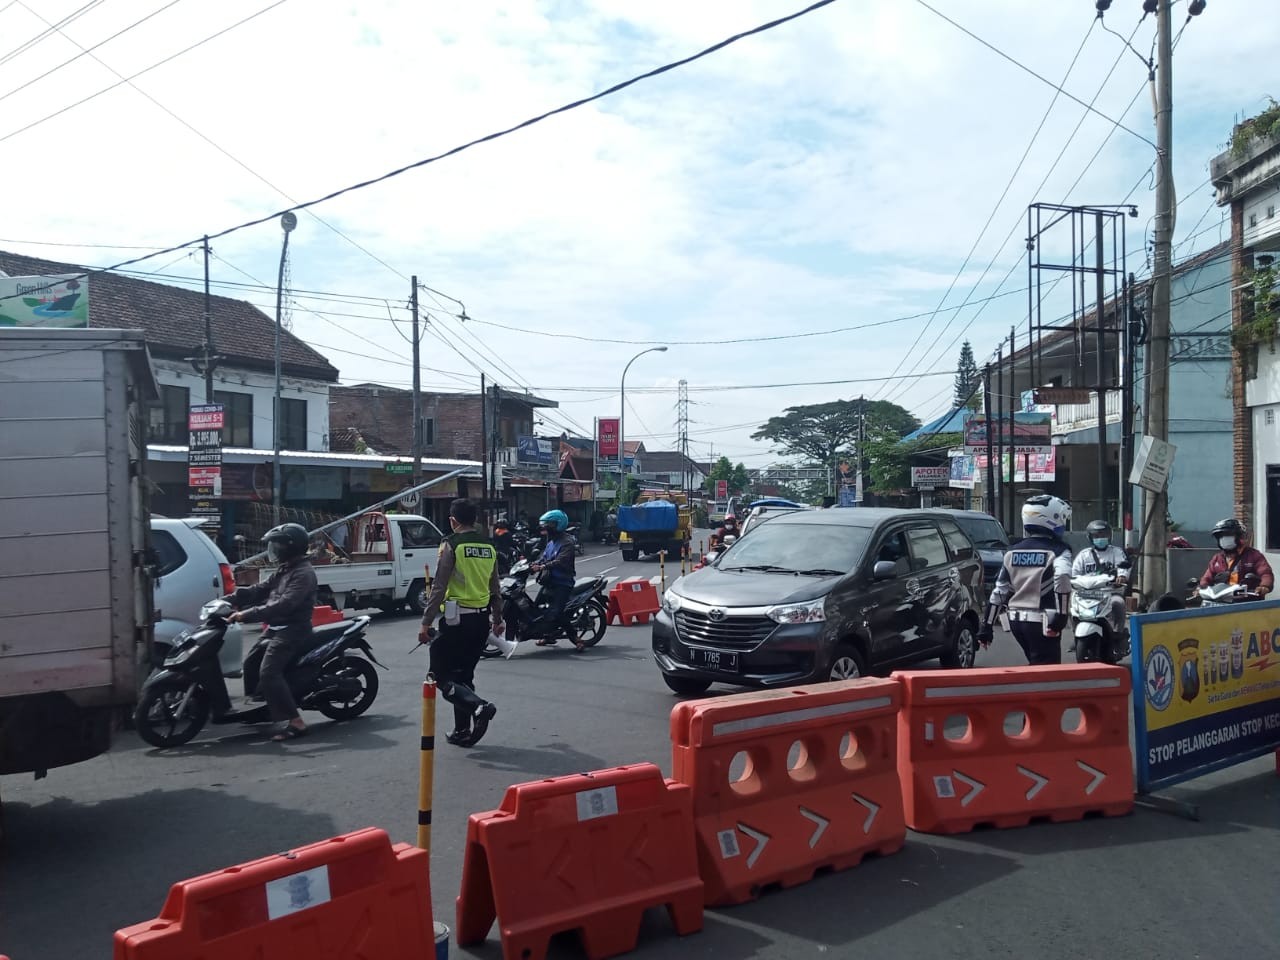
884,570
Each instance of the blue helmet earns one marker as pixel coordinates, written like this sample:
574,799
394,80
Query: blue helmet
557,517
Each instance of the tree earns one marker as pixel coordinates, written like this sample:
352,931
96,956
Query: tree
967,379
735,475
891,461
821,432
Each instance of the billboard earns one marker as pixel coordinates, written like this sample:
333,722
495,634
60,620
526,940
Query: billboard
53,301
1206,690
962,473
1028,433
607,438
204,457
926,478
536,450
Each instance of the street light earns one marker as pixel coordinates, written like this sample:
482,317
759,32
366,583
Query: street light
622,417
287,223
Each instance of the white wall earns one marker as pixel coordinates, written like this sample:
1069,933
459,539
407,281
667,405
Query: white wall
262,388
1266,452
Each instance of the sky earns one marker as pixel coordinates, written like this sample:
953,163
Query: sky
834,173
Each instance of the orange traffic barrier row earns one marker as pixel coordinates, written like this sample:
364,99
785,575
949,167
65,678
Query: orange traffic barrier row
1005,746
817,788
632,601
352,896
326,614
589,852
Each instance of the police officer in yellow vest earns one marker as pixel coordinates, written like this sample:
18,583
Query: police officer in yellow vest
466,597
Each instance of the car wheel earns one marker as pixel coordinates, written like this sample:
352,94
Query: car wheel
417,596
847,664
686,686
964,648
630,556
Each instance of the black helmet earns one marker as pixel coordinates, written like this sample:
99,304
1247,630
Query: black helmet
285,542
1230,527
1099,528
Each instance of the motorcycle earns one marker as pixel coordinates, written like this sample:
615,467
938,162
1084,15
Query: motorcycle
712,555
189,690
587,608
1097,637
1222,593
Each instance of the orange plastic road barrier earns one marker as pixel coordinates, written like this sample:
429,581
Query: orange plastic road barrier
326,614
632,601
1003,747
352,896
589,852
818,787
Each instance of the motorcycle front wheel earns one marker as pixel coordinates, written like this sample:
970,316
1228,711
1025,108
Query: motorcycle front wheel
1085,651
169,716
350,705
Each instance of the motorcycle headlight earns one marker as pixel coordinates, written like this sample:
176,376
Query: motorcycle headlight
811,611
671,601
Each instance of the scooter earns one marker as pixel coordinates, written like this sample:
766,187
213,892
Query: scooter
587,609
189,690
1097,638
1222,593
712,555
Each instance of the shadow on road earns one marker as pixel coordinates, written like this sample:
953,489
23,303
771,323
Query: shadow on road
545,760
69,869
323,736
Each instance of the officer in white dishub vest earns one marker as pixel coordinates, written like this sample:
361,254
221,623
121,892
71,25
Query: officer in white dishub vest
1035,582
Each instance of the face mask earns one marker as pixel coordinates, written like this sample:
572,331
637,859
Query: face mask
1227,543
1101,543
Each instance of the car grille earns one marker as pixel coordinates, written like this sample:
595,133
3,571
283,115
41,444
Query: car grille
731,633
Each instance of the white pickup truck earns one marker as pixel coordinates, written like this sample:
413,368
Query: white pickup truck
378,560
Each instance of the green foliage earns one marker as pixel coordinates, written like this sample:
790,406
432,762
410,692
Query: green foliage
735,474
820,432
1264,323
1264,125
967,379
891,461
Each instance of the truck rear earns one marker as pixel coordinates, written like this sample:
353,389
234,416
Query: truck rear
75,581
657,522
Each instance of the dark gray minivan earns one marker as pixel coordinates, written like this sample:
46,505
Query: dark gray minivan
823,595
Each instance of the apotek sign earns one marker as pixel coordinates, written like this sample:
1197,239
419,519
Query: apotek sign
926,478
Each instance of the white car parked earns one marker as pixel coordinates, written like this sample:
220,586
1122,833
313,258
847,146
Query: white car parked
190,571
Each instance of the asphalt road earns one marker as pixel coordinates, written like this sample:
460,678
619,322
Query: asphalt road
94,847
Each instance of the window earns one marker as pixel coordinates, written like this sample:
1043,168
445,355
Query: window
293,424
1272,519
169,419
169,554
1269,417
893,549
419,533
984,531
961,548
927,548
237,418
428,431
790,547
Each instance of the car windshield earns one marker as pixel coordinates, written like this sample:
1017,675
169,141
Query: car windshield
797,548
983,531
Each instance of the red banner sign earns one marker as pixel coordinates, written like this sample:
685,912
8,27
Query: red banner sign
607,438
722,489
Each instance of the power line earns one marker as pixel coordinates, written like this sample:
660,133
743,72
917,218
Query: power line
45,34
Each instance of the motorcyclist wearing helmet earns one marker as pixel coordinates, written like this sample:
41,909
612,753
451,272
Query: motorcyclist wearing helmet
1035,582
728,528
285,602
1237,559
1103,556
556,572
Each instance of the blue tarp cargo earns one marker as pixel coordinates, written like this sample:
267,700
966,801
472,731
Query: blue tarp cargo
652,517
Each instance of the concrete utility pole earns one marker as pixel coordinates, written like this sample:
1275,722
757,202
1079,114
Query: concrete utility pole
287,223
1156,535
209,361
417,386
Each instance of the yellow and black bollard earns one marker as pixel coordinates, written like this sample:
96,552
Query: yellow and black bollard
426,762
662,568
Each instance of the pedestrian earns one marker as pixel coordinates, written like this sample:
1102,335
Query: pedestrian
464,590
285,601
1035,582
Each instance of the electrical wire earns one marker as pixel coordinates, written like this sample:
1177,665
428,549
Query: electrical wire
45,34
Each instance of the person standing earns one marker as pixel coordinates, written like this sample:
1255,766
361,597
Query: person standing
1035,582
466,599
284,602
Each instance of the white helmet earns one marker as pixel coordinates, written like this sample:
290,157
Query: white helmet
1044,515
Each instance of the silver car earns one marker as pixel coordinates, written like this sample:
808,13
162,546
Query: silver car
190,571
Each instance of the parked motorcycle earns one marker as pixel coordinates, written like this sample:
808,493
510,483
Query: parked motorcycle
189,690
1098,639
587,607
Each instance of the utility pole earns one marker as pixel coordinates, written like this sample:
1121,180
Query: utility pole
287,222
1157,533
862,440
209,360
484,452
1101,342
991,464
682,415
417,386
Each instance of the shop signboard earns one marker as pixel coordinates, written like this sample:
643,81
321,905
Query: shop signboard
204,458
52,301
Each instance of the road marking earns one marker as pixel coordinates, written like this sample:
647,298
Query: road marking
603,556
1098,776
976,788
601,573
822,823
1036,787
761,839
872,810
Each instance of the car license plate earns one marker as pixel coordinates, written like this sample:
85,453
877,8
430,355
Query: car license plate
715,660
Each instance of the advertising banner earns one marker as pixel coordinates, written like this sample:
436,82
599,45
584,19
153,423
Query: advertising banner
1028,433
204,457
722,489
536,450
963,471
55,301
1206,690
926,478
607,438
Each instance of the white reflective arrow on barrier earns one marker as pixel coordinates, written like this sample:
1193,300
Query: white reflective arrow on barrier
821,823
872,810
761,839
1037,785
1098,776
975,788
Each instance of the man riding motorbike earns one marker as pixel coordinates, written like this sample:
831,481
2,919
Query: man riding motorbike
1105,557
728,527
285,601
1035,582
556,573
1237,559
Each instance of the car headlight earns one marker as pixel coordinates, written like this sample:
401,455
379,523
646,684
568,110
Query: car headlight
671,601
811,611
